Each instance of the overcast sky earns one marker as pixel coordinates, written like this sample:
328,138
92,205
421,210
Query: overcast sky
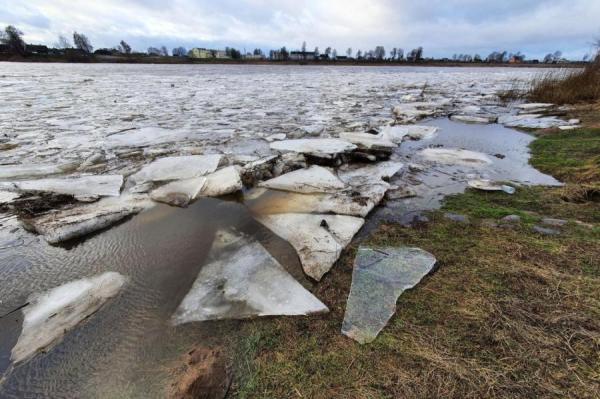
442,27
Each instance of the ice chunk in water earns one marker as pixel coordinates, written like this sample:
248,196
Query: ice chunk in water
398,133
35,170
243,280
450,156
177,168
50,315
322,148
369,141
66,224
318,239
100,185
315,179
380,276
223,181
180,192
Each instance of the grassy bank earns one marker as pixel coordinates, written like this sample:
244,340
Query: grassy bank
508,313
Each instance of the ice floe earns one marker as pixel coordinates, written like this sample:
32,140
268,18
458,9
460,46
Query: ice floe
35,170
177,168
322,148
315,179
379,277
488,185
399,133
367,141
450,156
243,280
179,192
92,186
66,224
52,314
318,239
222,182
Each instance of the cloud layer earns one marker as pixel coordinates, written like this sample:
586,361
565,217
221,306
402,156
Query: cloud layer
442,27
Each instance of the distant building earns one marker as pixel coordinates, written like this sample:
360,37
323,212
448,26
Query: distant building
302,56
200,53
37,49
220,54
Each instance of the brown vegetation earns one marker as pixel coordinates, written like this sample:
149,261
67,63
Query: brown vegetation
568,86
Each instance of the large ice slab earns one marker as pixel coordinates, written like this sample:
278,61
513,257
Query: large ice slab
399,133
180,192
380,276
52,314
315,179
65,224
322,148
177,168
92,186
222,182
318,239
243,280
35,170
450,156
368,141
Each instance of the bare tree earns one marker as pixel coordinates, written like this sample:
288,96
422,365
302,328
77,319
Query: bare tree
316,52
13,38
63,42
349,52
393,53
182,52
82,42
359,54
400,54
163,51
124,47
379,52
153,51
328,51
334,54
304,47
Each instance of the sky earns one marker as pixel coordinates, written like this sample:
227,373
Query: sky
442,27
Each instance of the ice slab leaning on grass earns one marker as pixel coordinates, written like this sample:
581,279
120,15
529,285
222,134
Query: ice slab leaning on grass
380,276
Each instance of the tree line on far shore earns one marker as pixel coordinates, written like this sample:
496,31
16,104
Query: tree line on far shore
11,42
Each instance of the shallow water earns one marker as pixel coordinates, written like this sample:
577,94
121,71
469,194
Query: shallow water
71,111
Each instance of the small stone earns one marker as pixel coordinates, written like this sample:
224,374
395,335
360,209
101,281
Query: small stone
545,231
511,219
553,222
456,217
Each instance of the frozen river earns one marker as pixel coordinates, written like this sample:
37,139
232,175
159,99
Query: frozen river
103,119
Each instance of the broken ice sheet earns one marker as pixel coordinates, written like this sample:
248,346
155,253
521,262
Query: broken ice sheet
322,148
368,141
223,181
318,239
65,224
379,277
398,133
243,280
180,192
51,314
450,156
86,186
177,168
315,179
35,170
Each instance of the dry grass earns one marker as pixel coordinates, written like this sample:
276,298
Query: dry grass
567,86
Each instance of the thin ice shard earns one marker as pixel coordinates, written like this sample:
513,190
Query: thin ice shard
380,276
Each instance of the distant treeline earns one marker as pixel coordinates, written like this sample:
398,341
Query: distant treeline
81,49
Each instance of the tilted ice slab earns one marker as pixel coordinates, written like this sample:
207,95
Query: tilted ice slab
35,170
62,225
450,156
322,148
180,192
91,186
51,314
532,121
368,141
243,280
315,179
146,136
471,119
530,106
398,133
318,239
177,168
379,277
222,182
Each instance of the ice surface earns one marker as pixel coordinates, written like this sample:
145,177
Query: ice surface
470,119
146,136
318,239
455,157
62,225
379,277
176,168
243,280
323,148
52,314
35,170
99,186
222,182
315,179
180,192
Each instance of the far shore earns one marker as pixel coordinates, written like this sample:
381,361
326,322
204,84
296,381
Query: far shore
107,59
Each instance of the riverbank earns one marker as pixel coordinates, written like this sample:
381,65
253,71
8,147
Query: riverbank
512,309
109,59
